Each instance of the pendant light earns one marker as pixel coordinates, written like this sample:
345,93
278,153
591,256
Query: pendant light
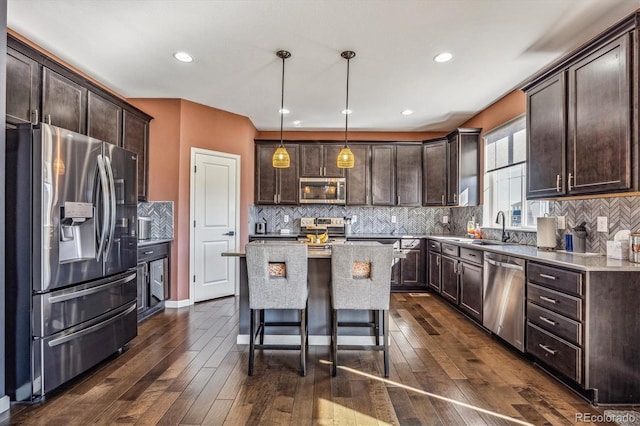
346,159
281,158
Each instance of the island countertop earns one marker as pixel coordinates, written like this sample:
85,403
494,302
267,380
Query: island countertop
319,251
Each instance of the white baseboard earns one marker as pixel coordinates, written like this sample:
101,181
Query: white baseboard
314,340
173,304
4,404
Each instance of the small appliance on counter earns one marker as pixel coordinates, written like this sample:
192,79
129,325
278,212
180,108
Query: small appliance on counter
546,235
144,228
634,247
261,227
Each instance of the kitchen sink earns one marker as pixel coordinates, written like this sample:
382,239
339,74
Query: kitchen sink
490,243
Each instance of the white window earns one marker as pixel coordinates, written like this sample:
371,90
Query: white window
505,178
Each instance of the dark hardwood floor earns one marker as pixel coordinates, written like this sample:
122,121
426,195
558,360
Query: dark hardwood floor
185,368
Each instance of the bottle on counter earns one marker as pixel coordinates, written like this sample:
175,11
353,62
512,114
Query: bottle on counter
471,229
478,231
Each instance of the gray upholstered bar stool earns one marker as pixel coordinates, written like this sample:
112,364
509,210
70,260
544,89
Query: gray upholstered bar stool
277,275
361,280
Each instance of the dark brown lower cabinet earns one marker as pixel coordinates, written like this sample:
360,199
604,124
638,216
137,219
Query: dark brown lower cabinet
471,289
449,283
153,278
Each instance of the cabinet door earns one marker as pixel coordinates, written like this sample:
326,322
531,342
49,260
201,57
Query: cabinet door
265,175
142,286
600,121
23,88
452,171
449,278
434,163
468,172
409,175
63,102
413,268
358,185
546,125
104,119
383,175
157,273
311,160
331,168
471,289
434,271
288,185
136,139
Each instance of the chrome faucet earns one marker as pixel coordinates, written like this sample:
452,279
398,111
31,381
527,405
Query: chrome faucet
504,236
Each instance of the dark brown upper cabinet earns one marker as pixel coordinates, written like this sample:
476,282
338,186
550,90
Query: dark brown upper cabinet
434,173
409,175
582,134
320,160
104,119
136,139
383,175
359,177
23,88
275,186
64,102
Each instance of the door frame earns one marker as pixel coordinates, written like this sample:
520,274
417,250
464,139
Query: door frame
237,158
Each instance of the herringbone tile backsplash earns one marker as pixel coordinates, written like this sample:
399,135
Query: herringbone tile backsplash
622,212
161,214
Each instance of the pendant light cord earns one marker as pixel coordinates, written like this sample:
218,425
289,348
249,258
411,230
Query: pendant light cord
348,55
282,102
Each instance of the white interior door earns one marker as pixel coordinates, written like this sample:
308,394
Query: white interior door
214,211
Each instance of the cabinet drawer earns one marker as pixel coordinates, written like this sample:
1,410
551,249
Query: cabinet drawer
558,279
434,246
470,255
450,249
556,353
154,251
554,301
557,324
410,243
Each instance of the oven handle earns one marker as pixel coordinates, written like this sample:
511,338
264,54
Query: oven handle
77,334
92,290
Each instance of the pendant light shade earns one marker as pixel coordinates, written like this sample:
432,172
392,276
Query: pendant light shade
346,160
281,158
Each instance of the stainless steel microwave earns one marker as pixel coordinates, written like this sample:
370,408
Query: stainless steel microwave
323,190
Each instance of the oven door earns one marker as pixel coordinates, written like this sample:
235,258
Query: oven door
322,190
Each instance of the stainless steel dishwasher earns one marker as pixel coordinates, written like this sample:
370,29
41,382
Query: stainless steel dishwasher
503,298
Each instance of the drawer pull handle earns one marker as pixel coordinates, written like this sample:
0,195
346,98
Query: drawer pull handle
547,320
549,277
547,349
548,299
148,252
472,255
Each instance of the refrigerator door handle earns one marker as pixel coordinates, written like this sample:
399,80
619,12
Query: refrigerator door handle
112,201
89,330
91,290
105,205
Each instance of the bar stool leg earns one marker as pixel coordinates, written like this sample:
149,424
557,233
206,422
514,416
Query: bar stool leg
385,337
334,343
251,340
376,320
261,326
303,342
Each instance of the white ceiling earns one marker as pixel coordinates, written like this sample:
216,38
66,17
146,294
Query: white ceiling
497,44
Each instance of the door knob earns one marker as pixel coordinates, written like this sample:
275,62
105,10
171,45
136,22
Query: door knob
230,233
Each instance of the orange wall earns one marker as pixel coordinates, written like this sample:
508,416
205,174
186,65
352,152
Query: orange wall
508,107
353,136
179,125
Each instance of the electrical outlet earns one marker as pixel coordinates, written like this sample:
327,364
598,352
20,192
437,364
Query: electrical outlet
286,218
445,219
603,224
393,218
562,222
354,218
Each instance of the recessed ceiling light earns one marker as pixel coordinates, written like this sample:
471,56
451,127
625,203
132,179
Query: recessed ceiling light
183,57
297,123
443,57
284,111
346,111
407,112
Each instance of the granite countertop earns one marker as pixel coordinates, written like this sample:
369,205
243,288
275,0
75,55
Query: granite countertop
367,236
152,241
590,262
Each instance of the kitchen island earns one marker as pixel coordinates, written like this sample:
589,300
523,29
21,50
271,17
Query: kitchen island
318,309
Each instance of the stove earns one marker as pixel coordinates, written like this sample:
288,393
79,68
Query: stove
334,226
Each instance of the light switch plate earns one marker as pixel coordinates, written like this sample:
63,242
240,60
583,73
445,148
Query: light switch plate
354,218
603,224
445,219
286,218
562,222
393,218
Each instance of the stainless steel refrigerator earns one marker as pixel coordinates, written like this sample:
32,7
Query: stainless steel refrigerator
71,255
